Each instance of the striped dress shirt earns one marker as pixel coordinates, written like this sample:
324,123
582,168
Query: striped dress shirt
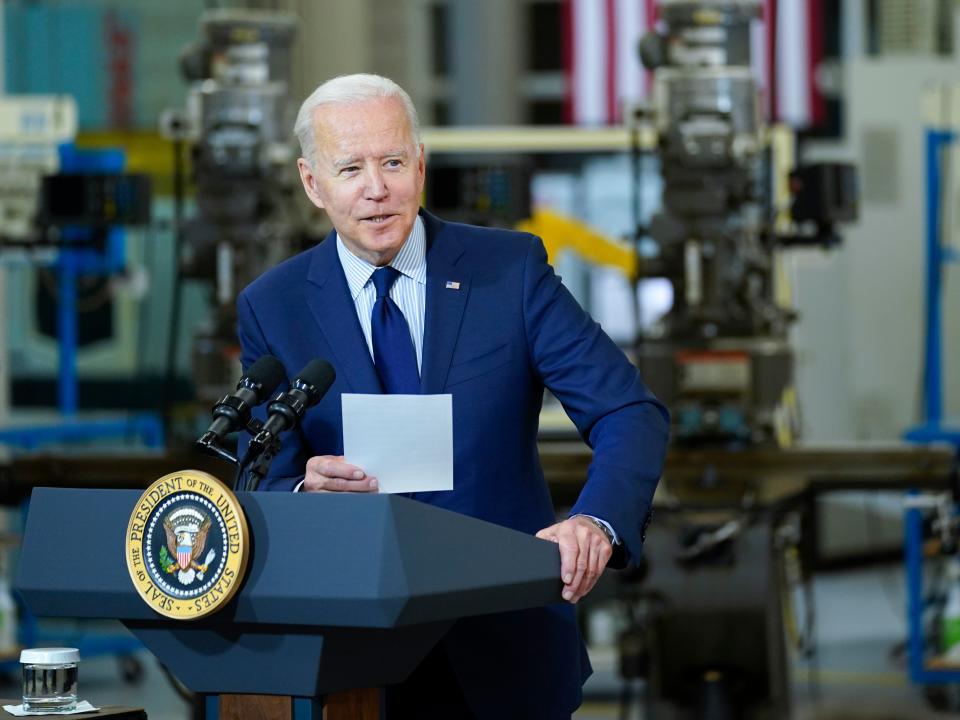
409,291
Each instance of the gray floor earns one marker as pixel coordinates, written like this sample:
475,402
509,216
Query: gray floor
861,623
861,619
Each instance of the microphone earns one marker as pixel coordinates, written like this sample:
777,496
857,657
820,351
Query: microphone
286,410
233,411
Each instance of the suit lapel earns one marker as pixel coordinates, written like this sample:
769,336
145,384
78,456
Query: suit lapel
444,305
332,307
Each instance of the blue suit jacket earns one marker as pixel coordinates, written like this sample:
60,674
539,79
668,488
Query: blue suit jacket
508,331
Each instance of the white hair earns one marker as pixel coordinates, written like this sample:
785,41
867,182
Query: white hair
345,89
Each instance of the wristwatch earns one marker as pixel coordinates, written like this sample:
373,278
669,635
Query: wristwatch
606,531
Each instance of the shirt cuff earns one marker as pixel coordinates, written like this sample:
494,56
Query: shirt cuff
608,526
296,488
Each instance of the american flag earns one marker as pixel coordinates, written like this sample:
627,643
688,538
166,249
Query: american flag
604,74
601,63
793,35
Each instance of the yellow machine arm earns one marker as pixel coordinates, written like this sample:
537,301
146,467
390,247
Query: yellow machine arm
563,233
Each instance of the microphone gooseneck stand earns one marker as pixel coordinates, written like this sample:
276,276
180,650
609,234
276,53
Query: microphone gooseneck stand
285,412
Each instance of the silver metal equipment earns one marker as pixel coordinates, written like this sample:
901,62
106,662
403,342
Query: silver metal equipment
720,357
237,126
712,643
715,632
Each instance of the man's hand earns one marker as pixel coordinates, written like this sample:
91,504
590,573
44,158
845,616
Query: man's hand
331,473
584,553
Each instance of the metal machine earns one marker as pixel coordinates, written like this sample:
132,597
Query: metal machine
31,130
720,357
65,212
237,126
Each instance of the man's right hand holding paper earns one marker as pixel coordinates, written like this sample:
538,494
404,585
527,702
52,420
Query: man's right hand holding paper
331,473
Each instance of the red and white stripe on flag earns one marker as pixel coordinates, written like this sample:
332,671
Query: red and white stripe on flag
792,30
604,73
601,63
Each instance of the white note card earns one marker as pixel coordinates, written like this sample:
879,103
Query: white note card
405,441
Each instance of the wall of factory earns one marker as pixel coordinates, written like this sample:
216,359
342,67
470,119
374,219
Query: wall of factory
859,342
383,36
119,60
860,337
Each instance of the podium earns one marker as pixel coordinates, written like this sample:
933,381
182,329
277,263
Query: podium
342,591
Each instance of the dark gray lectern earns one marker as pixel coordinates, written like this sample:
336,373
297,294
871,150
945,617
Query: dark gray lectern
342,591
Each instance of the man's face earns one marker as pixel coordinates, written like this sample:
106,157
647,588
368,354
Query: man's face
368,175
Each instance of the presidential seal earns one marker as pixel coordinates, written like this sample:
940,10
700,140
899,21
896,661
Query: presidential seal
187,545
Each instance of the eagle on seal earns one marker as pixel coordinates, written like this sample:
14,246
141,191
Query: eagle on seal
186,542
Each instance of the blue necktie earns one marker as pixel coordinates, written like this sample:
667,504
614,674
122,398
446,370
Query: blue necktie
393,352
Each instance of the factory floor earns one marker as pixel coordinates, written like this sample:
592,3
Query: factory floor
860,623
861,667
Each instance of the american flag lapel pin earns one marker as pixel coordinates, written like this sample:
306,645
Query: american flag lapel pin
452,285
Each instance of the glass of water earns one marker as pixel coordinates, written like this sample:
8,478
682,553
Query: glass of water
49,678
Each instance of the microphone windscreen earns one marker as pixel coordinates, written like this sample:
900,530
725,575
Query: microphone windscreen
264,376
319,374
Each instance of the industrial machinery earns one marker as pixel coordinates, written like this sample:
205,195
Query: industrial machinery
720,357
711,618
237,126
31,129
65,213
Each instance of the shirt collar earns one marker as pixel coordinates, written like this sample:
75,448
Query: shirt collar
410,261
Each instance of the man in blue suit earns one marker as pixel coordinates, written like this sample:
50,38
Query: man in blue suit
401,301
